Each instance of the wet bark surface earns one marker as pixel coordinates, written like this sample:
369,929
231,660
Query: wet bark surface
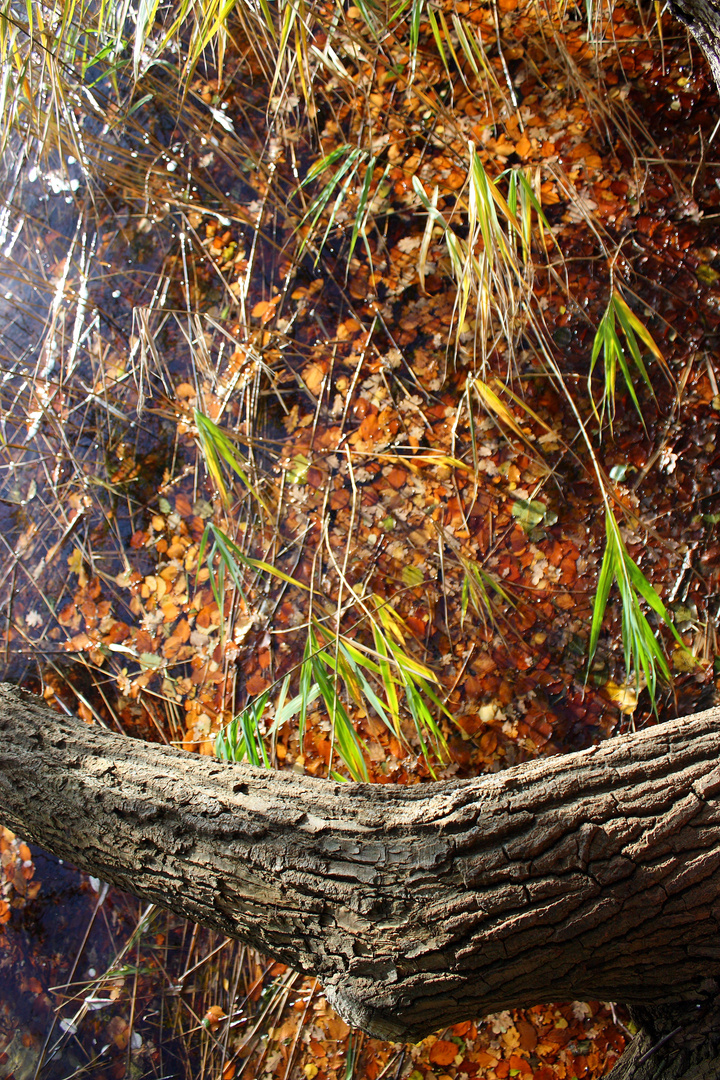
595,875
680,1042
702,18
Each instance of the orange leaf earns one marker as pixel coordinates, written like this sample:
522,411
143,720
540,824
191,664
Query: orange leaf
79,642
523,146
336,1028
519,1064
204,616
314,375
265,309
213,1017
443,1052
67,614
483,1058
172,647
119,631
488,742
143,642
170,612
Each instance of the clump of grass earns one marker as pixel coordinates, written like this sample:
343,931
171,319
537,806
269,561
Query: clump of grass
347,163
220,453
643,651
492,264
609,345
241,739
337,668
482,592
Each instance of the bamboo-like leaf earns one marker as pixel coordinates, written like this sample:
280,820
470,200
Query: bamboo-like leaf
363,206
436,33
477,587
387,678
146,12
288,22
242,739
306,674
628,316
350,158
411,667
347,741
474,53
434,218
607,343
602,592
369,17
643,651
369,694
217,446
493,404
285,710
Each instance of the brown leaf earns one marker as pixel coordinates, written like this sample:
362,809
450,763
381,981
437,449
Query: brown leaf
488,743
119,1031
256,684
183,506
528,1035
397,477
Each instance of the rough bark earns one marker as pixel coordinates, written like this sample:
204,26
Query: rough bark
595,875
679,1042
702,18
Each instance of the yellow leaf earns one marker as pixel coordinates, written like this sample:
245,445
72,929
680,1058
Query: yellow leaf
624,695
76,565
493,404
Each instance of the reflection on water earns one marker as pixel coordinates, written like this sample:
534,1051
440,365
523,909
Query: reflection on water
69,392
82,972
50,944
72,278
108,301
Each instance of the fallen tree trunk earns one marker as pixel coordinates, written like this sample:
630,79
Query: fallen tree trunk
702,18
595,875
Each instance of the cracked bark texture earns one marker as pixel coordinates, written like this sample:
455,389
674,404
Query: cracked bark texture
595,875
680,1042
702,18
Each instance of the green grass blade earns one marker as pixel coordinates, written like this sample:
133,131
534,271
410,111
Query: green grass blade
608,573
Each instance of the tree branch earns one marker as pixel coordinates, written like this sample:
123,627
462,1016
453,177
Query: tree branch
594,875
